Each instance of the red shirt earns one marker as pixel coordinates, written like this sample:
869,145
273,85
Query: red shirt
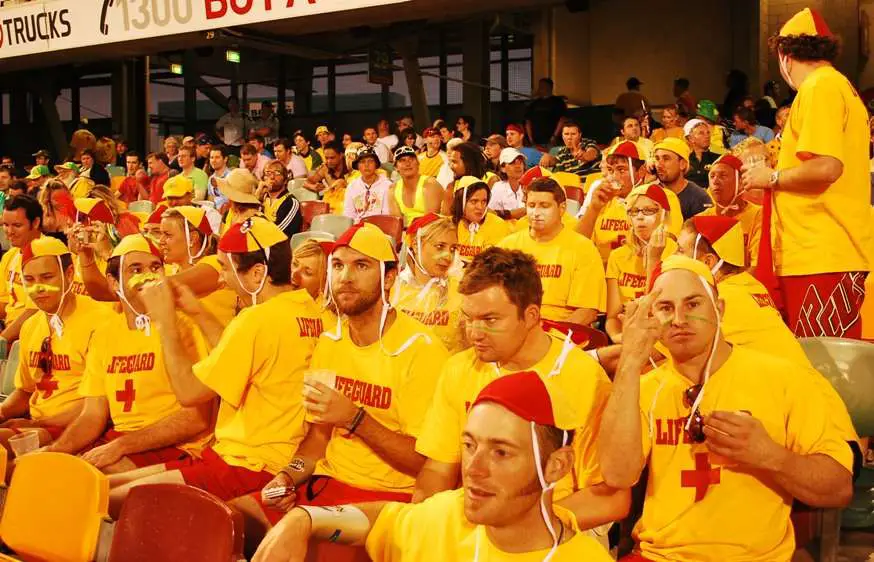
156,187
128,191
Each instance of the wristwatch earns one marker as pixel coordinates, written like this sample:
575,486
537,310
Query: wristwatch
775,178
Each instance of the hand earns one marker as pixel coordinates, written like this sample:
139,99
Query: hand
159,302
285,503
640,329
656,245
604,193
741,438
104,455
548,161
287,541
579,153
326,405
185,299
758,177
19,423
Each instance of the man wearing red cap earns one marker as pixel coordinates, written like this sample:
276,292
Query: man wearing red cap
515,135
125,384
433,157
368,390
255,371
726,192
817,201
54,343
515,450
727,449
574,289
501,297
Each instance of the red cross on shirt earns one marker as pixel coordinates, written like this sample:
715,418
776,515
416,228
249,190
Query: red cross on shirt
128,395
48,385
702,477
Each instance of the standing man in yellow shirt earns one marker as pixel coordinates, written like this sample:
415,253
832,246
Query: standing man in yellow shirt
727,448
383,367
22,223
574,289
125,384
515,451
817,201
501,297
255,369
433,157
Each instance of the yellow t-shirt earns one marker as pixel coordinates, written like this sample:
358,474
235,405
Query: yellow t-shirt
570,269
12,293
257,371
335,198
436,530
429,166
271,206
395,391
127,368
221,303
439,308
629,270
418,208
55,392
700,507
471,242
827,232
579,379
78,287
750,219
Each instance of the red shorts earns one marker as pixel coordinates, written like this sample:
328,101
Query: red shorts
634,557
55,431
213,474
825,304
324,490
145,458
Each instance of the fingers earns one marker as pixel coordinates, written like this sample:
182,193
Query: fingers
729,420
646,301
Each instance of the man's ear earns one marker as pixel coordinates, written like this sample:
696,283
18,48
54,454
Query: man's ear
559,464
390,278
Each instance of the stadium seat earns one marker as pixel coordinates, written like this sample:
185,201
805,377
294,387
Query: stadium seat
4,242
301,237
116,171
312,209
591,179
391,225
141,207
54,508
575,194
296,183
176,523
849,367
583,336
332,224
9,368
303,194
115,183
573,207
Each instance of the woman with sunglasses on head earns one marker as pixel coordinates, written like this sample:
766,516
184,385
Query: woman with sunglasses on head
54,343
477,228
630,265
425,289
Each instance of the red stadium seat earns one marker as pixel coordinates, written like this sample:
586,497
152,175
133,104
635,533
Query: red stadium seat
391,225
309,209
583,336
575,193
176,523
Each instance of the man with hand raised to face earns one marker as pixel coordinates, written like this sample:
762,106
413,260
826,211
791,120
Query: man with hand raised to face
716,435
515,450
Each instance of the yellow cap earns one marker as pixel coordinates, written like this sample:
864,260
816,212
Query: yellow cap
178,186
94,209
652,190
369,240
567,179
466,182
41,247
725,235
196,217
135,243
806,22
675,145
677,261
251,235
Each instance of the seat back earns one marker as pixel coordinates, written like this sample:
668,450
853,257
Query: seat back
310,209
115,183
391,225
575,194
301,237
116,171
573,207
9,369
335,225
176,523
144,206
296,183
591,179
303,194
849,367
54,508
585,337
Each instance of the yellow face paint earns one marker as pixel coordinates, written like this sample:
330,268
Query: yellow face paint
441,255
142,278
41,288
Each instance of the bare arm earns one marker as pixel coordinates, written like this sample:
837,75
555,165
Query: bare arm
176,428
583,316
85,429
311,450
396,449
817,480
94,281
813,175
65,418
202,279
597,505
614,309
12,331
16,405
433,195
393,207
435,477
187,387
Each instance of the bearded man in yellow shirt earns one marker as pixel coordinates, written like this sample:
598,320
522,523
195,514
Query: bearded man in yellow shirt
817,201
368,391
255,369
727,448
515,451
501,297
574,288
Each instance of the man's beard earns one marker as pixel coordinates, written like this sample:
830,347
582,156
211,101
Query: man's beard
362,305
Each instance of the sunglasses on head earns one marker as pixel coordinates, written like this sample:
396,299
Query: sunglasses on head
44,363
695,429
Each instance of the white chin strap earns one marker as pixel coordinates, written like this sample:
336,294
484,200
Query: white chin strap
715,268
712,354
252,294
142,322
55,322
732,205
192,257
473,228
566,348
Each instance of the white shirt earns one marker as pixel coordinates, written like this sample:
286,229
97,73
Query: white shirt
445,176
382,152
390,141
233,128
297,166
505,199
363,201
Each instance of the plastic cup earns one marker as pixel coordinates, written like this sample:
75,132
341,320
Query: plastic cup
324,376
25,442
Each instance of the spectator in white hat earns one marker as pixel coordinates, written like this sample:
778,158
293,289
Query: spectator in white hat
508,196
697,132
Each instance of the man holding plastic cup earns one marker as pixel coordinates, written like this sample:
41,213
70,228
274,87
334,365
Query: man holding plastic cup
816,210
373,376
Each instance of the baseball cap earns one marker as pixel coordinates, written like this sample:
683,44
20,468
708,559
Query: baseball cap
136,243
509,155
369,240
652,190
806,22
252,235
515,127
707,110
404,151
178,186
725,235
41,152
67,166
691,124
41,247
633,82
38,172
205,140
94,210
239,186
187,140
322,129
675,145
430,132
